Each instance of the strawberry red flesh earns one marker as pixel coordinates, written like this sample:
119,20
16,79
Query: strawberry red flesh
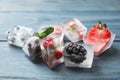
98,36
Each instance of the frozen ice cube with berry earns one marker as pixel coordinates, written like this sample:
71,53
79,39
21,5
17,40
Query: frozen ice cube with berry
18,35
100,37
78,55
74,30
52,46
109,44
32,48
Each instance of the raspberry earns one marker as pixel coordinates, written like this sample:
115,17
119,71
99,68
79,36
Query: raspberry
48,42
58,54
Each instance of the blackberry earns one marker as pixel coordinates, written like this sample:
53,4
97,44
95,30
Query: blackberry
84,52
35,53
81,49
76,52
69,50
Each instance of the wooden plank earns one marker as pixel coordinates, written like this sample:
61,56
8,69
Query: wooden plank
36,19
59,5
14,64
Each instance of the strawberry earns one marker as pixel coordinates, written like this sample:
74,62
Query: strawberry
98,36
58,54
48,42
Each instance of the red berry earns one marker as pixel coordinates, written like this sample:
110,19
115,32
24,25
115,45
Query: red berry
57,31
58,54
99,37
98,33
48,42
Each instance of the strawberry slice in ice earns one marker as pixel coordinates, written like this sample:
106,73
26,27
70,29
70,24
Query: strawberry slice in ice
99,36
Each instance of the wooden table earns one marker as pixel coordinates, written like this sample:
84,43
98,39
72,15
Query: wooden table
14,65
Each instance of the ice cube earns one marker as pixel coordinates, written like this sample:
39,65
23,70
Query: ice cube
109,44
52,46
78,55
32,48
74,30
18,35
100,45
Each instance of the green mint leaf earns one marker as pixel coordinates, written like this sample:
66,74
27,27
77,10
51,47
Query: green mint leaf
49,30
42,35
45,33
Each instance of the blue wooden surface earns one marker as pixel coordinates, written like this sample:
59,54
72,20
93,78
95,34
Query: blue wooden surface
14,64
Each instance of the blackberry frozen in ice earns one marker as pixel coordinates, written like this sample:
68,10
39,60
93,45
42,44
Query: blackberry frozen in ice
78,55
76,52
32,49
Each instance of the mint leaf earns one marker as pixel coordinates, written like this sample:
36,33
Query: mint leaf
45,33
42,35
49,30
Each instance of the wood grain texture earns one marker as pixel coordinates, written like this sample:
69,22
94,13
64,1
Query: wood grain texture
14,64
59,5
36,19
